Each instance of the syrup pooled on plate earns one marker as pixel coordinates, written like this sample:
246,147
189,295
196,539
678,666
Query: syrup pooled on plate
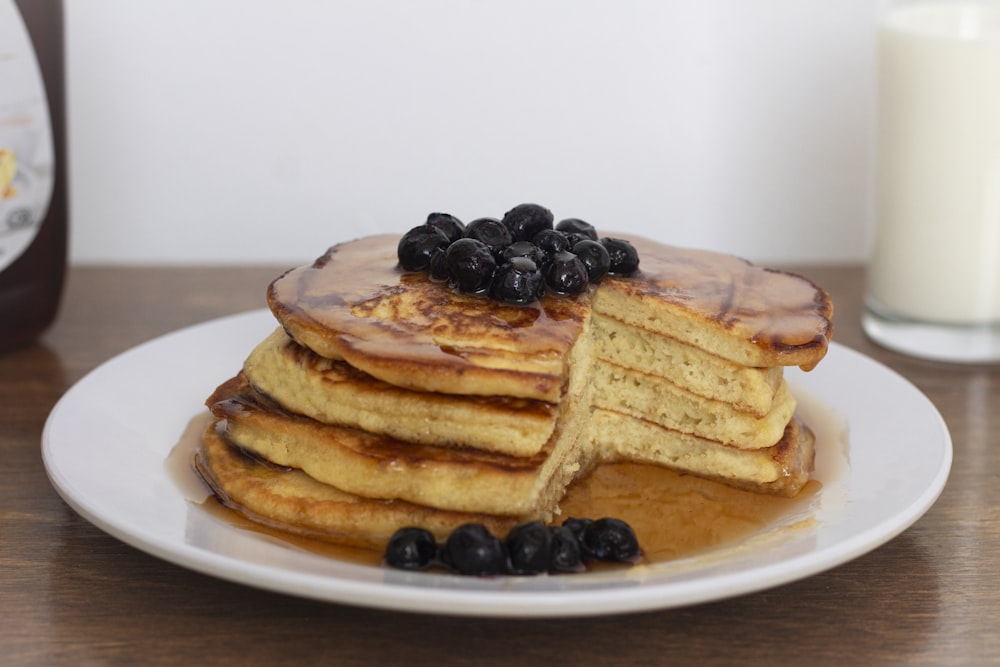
674,515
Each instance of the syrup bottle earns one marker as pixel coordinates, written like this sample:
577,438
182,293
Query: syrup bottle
33,187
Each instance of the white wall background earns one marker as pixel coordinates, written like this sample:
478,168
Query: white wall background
263,130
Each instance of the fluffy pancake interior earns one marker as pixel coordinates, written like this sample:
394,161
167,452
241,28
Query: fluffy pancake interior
745,388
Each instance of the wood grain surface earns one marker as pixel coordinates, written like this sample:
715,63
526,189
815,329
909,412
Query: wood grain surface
72,595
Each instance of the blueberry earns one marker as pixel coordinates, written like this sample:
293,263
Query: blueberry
577,226
528,546
518,281
470,265
472,549
611,540
624,256
490,231
564,554
526,220
524,249
416,246
452,227
595,259
551,242
577,526
574,238
411,549
566,274
438,265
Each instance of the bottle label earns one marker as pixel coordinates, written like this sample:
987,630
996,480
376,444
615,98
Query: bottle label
27,159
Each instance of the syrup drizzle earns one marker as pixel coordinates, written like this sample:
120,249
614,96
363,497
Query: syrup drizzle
674,515
356,304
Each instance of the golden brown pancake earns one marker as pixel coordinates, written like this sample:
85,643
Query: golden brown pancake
333,392
354,304
722,304
746,388
659,400
377,466
292,501
781,469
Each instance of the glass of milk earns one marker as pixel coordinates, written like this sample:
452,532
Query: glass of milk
934,276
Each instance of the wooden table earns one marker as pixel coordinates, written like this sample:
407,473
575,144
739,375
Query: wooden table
70,594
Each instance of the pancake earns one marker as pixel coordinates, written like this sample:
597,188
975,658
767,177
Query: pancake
290,500
781,469
334,392
724,305
746,389
376,466
294,502
659,400
353,304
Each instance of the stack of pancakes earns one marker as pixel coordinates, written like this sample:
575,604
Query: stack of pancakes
386,399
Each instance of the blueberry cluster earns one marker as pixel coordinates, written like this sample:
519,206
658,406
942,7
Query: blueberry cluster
528,549
517,258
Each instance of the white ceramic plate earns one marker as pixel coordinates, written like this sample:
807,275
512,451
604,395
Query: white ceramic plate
884,457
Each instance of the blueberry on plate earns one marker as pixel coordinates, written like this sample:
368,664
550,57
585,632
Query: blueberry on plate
565,554
611,540
472,549
528,548
411,548
577,526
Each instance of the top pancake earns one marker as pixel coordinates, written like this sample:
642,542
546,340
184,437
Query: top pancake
355,304
722,304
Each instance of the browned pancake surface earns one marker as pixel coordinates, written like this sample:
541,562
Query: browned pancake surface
377,466
292,501
354,304
725,305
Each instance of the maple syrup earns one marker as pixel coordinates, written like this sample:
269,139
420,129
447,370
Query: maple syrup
33,180
674,515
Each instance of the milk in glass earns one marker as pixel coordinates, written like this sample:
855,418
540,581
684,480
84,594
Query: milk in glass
936,255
